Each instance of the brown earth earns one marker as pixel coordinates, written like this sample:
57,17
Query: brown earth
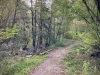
53,65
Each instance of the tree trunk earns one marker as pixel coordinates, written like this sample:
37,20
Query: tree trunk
15,12
33,28
40,27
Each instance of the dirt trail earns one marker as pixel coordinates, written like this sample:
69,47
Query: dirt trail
53,64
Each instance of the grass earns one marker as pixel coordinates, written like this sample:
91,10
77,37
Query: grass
78,62
22,67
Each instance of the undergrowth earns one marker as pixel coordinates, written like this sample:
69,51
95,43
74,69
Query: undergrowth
61,43
18,66
78,61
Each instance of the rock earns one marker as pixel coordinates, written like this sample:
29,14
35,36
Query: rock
28,56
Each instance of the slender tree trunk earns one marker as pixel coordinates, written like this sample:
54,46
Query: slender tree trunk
59,28
40,27
50,26
33,28
15,12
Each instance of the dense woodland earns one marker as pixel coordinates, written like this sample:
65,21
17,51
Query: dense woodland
30,30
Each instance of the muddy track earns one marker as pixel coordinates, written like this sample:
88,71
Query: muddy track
53,64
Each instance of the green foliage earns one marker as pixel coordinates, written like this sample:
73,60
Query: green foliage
61,43
78,45
68,35
77,61
88,38
79,67
81,48
22,67
87,69
74,67
73,34
29,43
8,33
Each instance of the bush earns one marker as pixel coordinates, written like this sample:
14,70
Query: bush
77,61
70,56
87,69
61,43
74,67
81,48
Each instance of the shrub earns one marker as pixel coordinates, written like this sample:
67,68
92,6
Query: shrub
87,69
61,43
77,61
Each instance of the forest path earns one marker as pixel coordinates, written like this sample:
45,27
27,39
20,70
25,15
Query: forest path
53,64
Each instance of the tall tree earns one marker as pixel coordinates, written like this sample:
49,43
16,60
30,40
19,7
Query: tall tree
33,20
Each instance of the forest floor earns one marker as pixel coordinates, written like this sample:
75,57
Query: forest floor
53,65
